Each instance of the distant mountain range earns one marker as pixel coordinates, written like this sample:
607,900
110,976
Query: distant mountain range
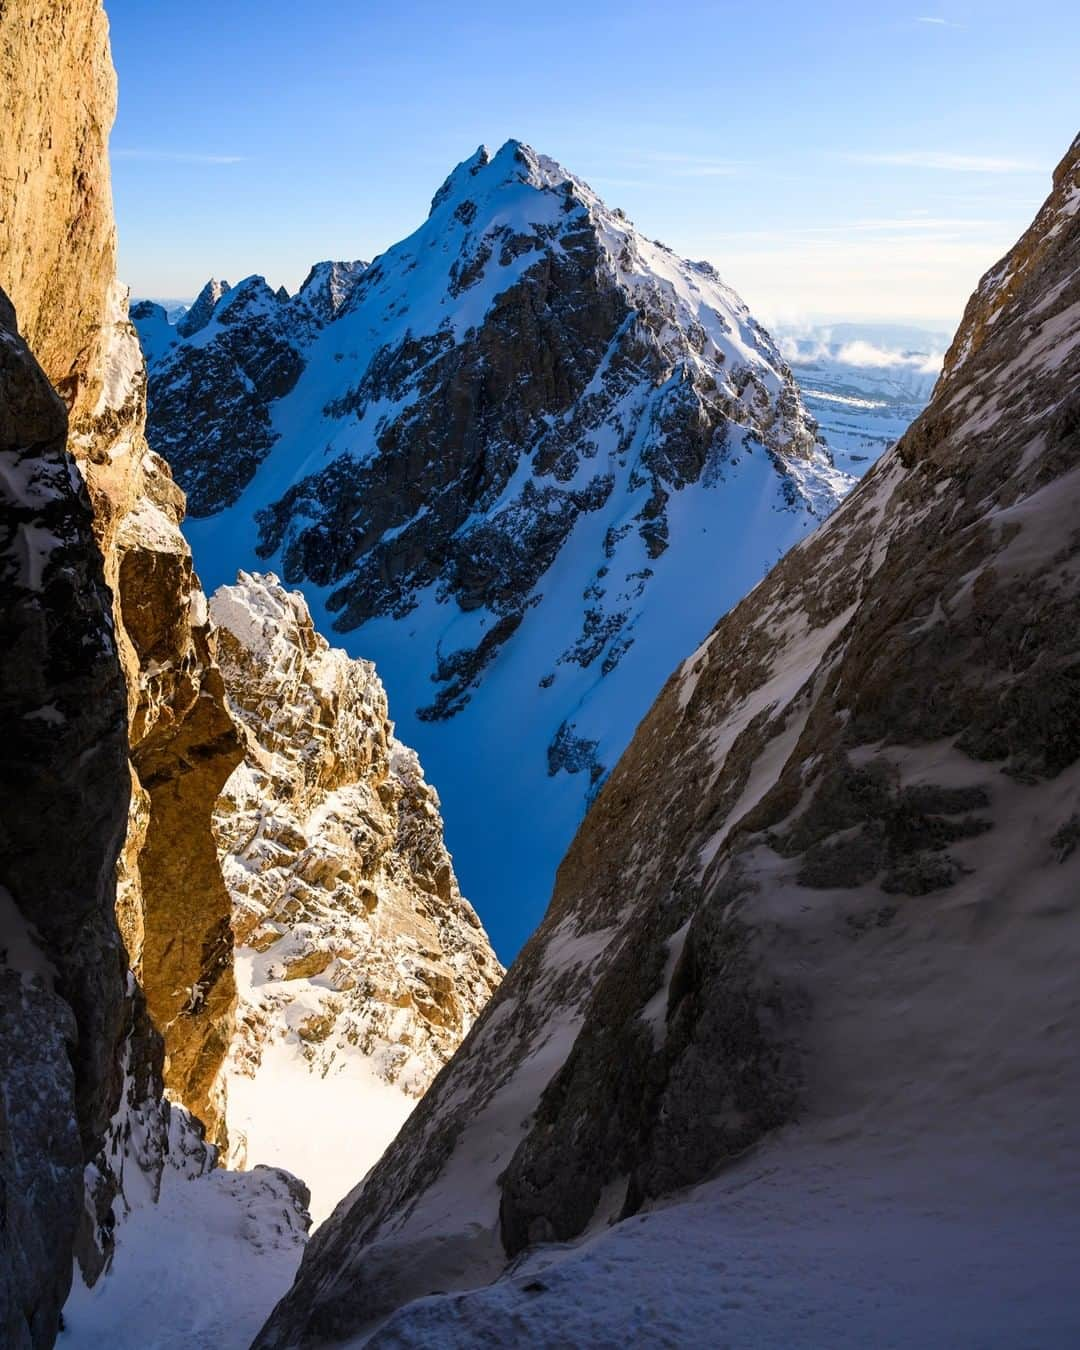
865,383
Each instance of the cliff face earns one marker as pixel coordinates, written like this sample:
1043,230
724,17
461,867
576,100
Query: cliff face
89,510
57,257
57,237
830,886
173,906
360,965
64,787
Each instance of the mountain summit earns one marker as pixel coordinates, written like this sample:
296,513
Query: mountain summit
526,457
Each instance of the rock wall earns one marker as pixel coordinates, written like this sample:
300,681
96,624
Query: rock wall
173,905
64,789
57,236
114,719
57,257
830,886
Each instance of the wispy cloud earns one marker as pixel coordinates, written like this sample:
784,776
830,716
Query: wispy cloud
178,156
940,159
622,182
691,166
705,171
938,23
819,346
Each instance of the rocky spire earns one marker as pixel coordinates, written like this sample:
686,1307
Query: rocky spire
199,315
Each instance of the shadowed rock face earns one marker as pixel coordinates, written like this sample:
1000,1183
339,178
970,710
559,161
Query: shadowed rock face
89,510
210,401
197,317
863,787
60,264
252,360
64,786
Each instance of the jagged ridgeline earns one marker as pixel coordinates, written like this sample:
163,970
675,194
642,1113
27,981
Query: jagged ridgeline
813,949
519,461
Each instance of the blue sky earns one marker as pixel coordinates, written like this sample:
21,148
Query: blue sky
833,160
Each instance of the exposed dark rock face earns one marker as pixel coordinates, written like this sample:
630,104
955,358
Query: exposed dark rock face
195,319
209,400
65,788
233,378
855,799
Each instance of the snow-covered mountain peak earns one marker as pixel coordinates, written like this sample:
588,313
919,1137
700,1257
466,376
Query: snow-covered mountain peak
496,215
247,299
514,162
198,316
547,443
458,177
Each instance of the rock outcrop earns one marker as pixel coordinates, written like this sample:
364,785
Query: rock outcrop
211,398
830,887
195,319
539,444
360,965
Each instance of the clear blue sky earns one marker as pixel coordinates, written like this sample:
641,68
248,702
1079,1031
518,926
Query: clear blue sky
833,160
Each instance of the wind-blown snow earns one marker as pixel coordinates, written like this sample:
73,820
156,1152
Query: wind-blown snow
819,1249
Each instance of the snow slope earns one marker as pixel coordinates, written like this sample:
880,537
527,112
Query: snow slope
809,1243
197,1270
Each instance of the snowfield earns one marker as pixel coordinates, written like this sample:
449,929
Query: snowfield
801,1245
